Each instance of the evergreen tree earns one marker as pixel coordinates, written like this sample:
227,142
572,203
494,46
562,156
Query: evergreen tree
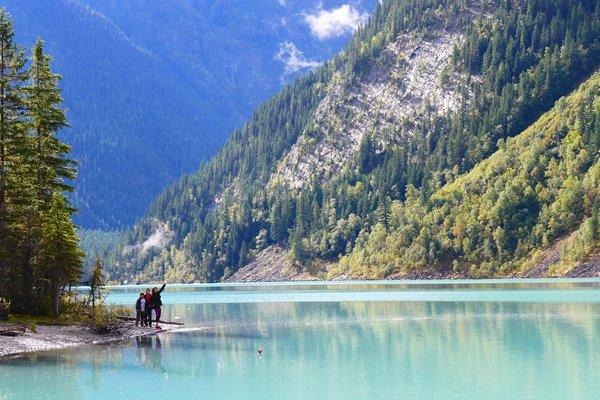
243,255
366,154
13,150
39,248
96,282
52,167
63,260
383,209
297,250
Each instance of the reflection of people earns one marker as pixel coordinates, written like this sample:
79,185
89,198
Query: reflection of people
148,353
157,302
143,343
156,355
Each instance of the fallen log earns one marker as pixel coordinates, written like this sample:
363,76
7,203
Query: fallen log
13,330
160,322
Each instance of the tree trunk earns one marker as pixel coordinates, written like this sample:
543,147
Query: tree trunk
27,283
56,300
3,273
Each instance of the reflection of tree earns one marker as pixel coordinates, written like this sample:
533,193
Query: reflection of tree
416,338
24,379
349,345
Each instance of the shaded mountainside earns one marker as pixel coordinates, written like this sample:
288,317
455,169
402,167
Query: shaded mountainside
392,159
155,87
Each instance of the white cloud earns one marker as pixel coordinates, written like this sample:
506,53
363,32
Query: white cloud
293,60
336,22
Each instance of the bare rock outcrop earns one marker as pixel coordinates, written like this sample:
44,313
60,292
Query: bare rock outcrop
271,265
411,78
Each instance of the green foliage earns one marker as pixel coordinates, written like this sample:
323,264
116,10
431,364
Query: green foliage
493,219
106,320
387,212
39,253
4,309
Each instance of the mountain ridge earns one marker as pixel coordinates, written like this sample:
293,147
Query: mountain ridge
518,59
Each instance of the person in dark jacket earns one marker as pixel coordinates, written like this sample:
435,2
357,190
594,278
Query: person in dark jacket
157,302
148,297
140,310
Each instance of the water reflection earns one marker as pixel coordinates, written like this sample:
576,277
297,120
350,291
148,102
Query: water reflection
350,350
475,284
535,291
148,352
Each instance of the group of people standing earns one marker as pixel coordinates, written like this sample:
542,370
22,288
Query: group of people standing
145,304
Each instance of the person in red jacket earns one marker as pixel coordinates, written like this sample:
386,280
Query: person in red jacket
148,298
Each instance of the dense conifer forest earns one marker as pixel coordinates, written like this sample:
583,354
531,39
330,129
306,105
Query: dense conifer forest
521,58
479,190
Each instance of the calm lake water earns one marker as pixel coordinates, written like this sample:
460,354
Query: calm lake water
471,340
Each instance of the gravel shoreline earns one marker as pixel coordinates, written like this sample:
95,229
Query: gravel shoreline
60,337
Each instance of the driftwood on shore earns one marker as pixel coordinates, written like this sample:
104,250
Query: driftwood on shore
14,330
160,322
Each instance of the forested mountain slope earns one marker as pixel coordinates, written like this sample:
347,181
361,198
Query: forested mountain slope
538,187
155,87
334,164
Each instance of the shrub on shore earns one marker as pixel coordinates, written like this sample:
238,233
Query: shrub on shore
4,309
99,318
107,320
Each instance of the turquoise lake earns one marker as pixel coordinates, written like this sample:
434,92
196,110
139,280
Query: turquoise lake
495,339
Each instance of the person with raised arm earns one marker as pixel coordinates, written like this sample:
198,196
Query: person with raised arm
156,303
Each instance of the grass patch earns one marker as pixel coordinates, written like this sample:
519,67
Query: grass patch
34,320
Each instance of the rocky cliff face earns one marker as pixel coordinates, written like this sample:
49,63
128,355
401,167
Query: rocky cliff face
412,75
272,264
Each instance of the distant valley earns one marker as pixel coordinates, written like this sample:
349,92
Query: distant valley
154,88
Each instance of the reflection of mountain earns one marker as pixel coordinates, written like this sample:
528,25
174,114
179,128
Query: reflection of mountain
345,350
413,342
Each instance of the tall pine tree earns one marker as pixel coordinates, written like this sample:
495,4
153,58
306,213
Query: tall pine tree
13,149
39,248
62,258
50,169
52,166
